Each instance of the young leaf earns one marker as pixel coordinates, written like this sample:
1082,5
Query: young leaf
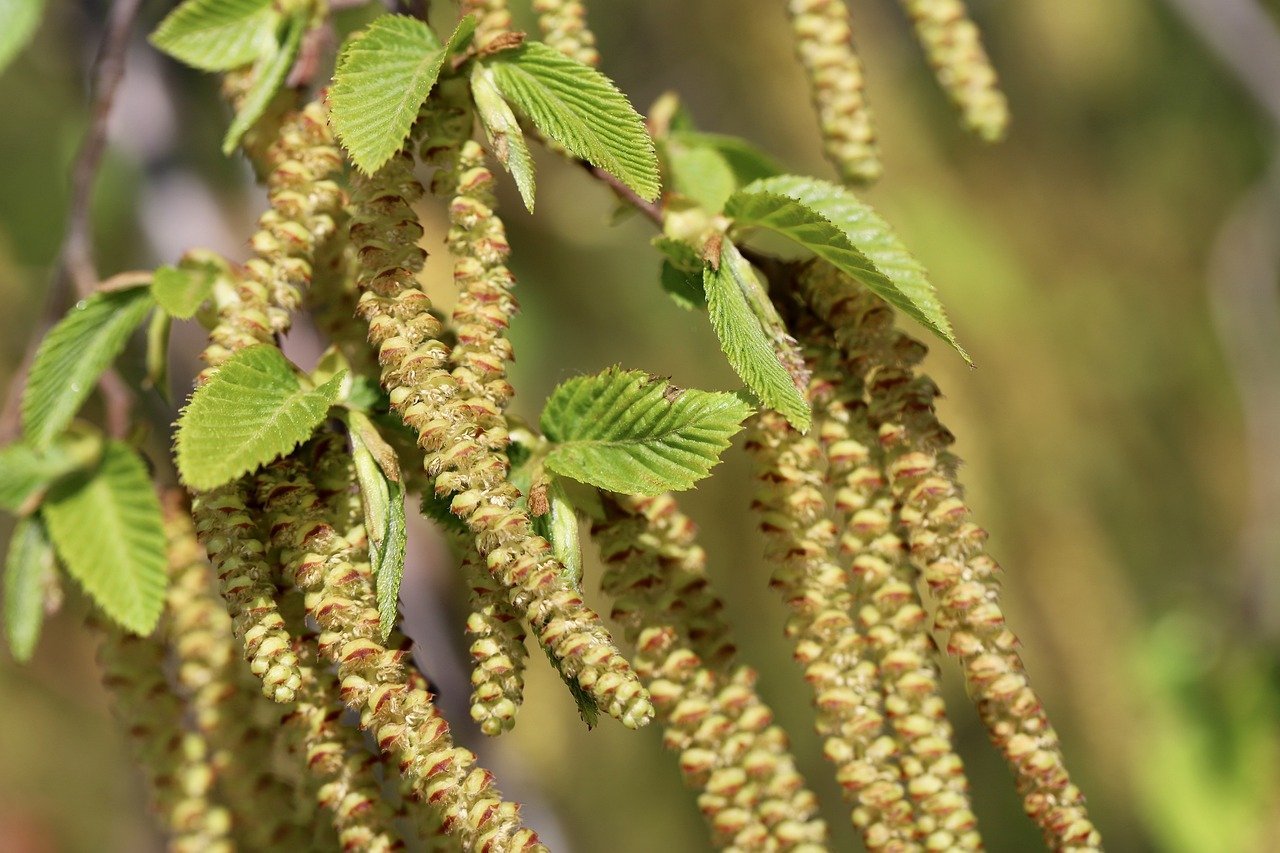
25,472
699,174
842,230
629,432
747,162
253,410
762,356
383,497
158,354
19,20
72,357
559,526
218,35
27,569
109,532
684,287
503,132
382,79
181,290
578,107
269,75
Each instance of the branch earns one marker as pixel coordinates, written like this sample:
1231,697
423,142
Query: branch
651,209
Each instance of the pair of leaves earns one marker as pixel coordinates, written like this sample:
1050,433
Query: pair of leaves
629,432
253,410
382,493
19,20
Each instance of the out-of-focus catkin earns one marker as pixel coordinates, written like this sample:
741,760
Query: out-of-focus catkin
750,790
823,37
564,26
493,19
949,550
953,46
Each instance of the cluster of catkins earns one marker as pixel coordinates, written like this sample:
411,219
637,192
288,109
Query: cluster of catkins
338,743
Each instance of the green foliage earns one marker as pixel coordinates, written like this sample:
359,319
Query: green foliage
27,568
253,410
158,331
708,168
26,472
181,290
559,526
755,343
269,74
832,223
382,493
218,35
629,432
72,357
19,20
681,272
109,533
503,132
578,107
383,78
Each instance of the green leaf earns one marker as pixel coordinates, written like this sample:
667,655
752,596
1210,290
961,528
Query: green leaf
700,174
684,287
19,20
747,162
158,354
382,79
72,357
218,35
758,349
503,132
839,228
26,472
181,290
28,569
559,526
378,472
109,532
579,108
629,432
268,76
253,410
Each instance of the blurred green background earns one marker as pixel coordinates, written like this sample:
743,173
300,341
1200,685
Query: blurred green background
1111,267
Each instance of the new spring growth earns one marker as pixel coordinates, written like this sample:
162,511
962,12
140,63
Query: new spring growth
823,38
749,789
564,26
948,548
497,648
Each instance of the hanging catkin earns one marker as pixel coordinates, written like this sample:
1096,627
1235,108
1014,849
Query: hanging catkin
493,19
564,26
823,39
750,791
949,550
497,648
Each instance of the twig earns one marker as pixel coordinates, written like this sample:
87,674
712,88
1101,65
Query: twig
650,209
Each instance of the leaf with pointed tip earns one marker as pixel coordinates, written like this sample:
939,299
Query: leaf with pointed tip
836,226
765,358
109,532
253,410
28,568
19,20
378,473
268,76
578,107
628,432
559,526
218,35
503,131
72,357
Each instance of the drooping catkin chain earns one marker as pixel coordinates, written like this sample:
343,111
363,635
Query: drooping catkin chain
799,540
463,453
750,791
401,716
953,46
497,648
493,19
949,550
823,39
564,27
890,613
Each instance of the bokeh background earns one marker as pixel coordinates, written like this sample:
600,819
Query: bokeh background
1112,267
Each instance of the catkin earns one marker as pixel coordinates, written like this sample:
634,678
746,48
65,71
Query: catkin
823,39
400,715
497,649
800,538
564,27
750,791
890,613
949,550
461,454
953,46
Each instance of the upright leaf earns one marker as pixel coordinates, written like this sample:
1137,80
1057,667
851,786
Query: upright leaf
764,357
28,568
383,498
839,228
19,20
629,432
268,76
503,132
708,168
181,290
253,410
218,35
72,357
747,162
559,526
578,107
109,532
382,79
